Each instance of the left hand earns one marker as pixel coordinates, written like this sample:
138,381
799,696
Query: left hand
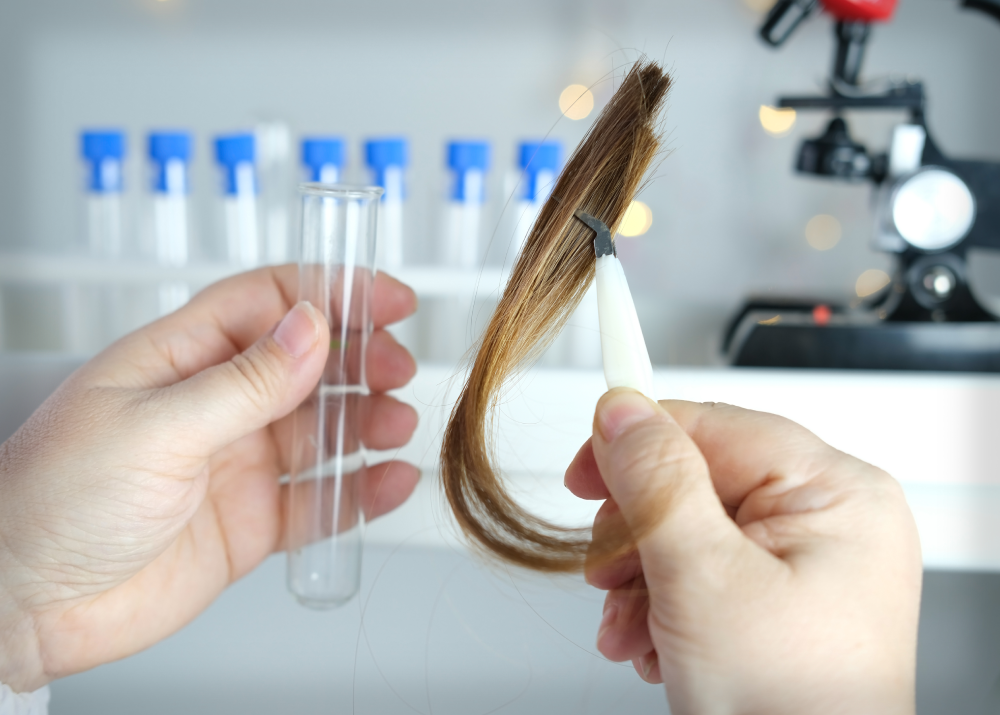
148,482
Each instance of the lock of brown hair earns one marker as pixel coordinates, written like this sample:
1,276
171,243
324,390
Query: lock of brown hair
550,277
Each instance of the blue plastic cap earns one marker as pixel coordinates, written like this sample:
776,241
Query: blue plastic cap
165,150
103,150
164,146
538,156
535,157
465,155
97,145
232,149
380,153
318,152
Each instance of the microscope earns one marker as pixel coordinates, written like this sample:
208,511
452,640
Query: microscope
930,209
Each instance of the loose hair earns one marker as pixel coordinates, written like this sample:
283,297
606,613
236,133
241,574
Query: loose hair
551,276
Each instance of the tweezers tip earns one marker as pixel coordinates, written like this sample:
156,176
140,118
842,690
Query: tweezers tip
603,245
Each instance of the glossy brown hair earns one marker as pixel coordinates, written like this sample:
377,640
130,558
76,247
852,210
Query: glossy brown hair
552,273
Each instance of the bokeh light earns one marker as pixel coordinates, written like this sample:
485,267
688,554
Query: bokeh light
638,218
823,232
760,6
870,282
776,122
576,102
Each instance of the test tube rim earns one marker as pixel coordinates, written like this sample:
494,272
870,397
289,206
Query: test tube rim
347,191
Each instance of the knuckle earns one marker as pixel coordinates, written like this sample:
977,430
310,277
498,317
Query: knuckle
651,449
257,378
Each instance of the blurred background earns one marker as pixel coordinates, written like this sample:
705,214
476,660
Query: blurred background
728,215
86,256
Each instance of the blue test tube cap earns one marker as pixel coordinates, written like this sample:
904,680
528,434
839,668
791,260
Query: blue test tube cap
103,150
536,156
465,156
165,147
382,154
231,150
318,152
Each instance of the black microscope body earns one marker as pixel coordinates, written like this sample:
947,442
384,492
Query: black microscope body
931,210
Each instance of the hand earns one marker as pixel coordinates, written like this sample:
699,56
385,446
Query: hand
783,576
149,481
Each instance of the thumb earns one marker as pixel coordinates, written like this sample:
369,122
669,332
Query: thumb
661,483
258,386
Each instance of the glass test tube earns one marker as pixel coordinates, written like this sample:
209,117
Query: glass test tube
387,159
235,154
336,274
169,154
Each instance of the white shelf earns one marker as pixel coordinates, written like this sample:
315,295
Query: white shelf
935,433
28,269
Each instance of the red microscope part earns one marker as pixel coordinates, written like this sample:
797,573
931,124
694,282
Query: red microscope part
860,10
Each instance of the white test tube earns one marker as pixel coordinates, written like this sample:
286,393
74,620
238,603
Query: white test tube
104,153
275,167
235,154
460,244
539,162
92,315
387,160
450,320
169,154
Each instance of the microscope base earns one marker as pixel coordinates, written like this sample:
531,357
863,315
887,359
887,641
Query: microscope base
797,341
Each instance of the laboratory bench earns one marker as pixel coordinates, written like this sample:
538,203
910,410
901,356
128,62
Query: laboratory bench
487,636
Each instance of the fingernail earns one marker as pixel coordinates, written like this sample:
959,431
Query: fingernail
608,620
621,409
648,662
298,330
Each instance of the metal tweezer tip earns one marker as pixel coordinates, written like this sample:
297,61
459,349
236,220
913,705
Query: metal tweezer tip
603,245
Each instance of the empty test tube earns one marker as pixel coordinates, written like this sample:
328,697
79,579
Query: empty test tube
92,315
235,154
328,464
104,153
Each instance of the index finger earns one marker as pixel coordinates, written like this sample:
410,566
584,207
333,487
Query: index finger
223,320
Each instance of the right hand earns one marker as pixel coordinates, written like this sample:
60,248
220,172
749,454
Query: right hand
783,576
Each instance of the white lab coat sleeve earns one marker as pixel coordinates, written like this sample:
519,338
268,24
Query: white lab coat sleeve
36,703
